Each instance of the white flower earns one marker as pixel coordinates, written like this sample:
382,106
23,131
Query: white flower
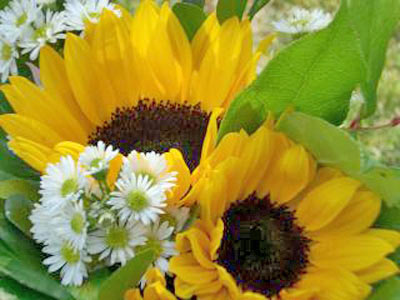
117,242
63,182
71,224
151,164
46,28
301,20
81,11
176,217
8,56
158,239
45,2
41,218
71,261
17,16
137,199
97,158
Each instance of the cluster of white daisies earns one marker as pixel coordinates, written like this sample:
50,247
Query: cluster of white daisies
300,20
84,224
27,25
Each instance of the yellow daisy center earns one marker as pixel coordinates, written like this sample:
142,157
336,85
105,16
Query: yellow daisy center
156,126
69,254
69,186
117,237
263,248
137,201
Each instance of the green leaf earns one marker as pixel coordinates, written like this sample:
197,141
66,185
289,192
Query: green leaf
387,290
256,7
329,145
13,166
375,22
227,9
199,3
12,287
127,276
18,209
389,218
17,186
191,17
316,75
90,289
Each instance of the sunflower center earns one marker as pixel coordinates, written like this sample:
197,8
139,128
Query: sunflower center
156,126
263,248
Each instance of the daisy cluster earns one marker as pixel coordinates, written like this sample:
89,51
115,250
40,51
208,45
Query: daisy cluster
28,25
84,223
301,20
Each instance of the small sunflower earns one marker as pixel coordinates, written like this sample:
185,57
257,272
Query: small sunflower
274,224
135,83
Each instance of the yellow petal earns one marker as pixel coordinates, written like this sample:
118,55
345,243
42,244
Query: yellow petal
18,125
325,202
390,236
352,253
69,148
210,139
157,291
89,83
383,269
133,294
356,217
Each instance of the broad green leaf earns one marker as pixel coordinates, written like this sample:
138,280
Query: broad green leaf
191,17
316,75
18,209
329,145
229,8
127,276
256,7
5,107
21,292
374,22
90,289
387,290
18,186
389,218
11,164
199,3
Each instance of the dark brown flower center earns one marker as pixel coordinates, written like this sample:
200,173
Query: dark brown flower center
156,126
262,247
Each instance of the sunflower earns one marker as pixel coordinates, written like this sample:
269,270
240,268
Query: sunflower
133,82
274,224
155,288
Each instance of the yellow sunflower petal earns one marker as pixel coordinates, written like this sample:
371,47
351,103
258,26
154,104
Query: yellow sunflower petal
157,291
352,253
325,202
133,294
381,270
210,139
390,236
69,148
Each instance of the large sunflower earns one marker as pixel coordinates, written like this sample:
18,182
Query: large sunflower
276,225
134,82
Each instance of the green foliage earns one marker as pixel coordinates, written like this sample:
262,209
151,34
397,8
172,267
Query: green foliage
90,289
315,75
374,24
229,8
21,292
18,209
387,290
191,17
17,186
199,3
256,7
127,276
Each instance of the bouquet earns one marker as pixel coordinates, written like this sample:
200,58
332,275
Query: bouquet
147,153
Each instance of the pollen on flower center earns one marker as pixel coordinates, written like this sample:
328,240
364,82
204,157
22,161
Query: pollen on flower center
262,247
69,254
153,244
156,126
137,201
117,237
69,186
22,19
77,223
6,52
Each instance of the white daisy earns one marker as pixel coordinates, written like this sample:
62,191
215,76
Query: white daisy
71,261
301,20
176,217
8,56
71,223
63,182
81,11
96,159
117,242
151,164
17,17
45,2
158,239
46,28
41,218
137,199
